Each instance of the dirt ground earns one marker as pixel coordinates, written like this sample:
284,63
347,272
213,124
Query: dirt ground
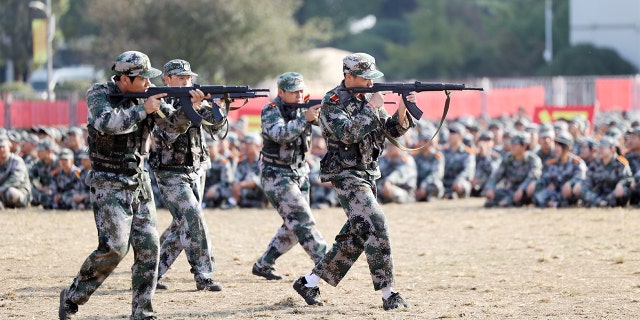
453,259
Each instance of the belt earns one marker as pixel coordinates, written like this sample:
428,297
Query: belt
280,164
177,169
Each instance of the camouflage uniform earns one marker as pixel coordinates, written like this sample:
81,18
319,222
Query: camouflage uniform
41,176
286,136
459,166
219,176
15,186
179,162
320,195
430,173
603,179
64,183
355,135
557,174
485,165
402,173
121,194
634,162
250,170
513,175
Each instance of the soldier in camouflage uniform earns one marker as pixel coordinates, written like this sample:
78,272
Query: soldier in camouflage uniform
179,162
459,165
430,165
246,187
609,175
28,151
589,150
632,144
322,194
64,181
217,185
513,182
355,126
398,176
487,160
546,140
15,186
559,181
41,174
81,197
121,196
286,135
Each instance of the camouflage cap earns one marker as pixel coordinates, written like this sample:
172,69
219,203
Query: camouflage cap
457,128
291,81
252,137
134,64
634,130
178,67
520,137
76,131
608,142
361,65
486,135
83,155
4,140
546,130
45,144
565,138
65,153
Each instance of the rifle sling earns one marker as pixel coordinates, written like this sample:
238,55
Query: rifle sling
444,115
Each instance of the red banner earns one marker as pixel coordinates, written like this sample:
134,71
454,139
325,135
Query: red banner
549,114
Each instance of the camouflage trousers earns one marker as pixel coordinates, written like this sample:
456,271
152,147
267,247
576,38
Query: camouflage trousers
289,195
592,198
182,194
365,231
15,198
122,220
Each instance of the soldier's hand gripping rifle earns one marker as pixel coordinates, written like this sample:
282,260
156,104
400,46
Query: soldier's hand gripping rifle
404,89
182,93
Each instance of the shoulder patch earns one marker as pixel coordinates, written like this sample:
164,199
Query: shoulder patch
551,161
469,150
334,97
438,155
272,104
623,160
77,173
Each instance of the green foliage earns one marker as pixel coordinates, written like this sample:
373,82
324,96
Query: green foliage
586,59
16,86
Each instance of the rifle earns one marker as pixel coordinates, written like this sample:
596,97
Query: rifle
232,96
307,103
182,93
403,89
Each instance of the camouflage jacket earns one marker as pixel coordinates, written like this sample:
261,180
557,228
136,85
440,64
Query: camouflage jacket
459,163
286,137
355,135
516,174
63,182
558,173
430,168
41,173
603,178
401,171
14,174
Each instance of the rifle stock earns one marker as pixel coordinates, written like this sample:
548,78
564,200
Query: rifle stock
404,89
182,93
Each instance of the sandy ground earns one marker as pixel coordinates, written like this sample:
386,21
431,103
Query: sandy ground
453,258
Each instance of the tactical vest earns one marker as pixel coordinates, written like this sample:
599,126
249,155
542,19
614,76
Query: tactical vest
291,154
117,153
185,155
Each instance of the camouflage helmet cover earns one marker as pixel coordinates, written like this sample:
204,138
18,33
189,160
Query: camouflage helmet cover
362,65
291,81
134,64
178,67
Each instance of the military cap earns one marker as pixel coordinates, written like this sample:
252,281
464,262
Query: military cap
614,132
4,140
232,137
83,155
76,131
178,67
361,65
560,125
32,138
65,153
546,130
134,64
520,137
522,121
608,142
45,144
634,130
457,128
532,128
291,81
497,124
14,136
426,134
486,135
565,138
252,137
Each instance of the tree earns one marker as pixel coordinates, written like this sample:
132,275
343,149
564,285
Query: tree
231,42
586,59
